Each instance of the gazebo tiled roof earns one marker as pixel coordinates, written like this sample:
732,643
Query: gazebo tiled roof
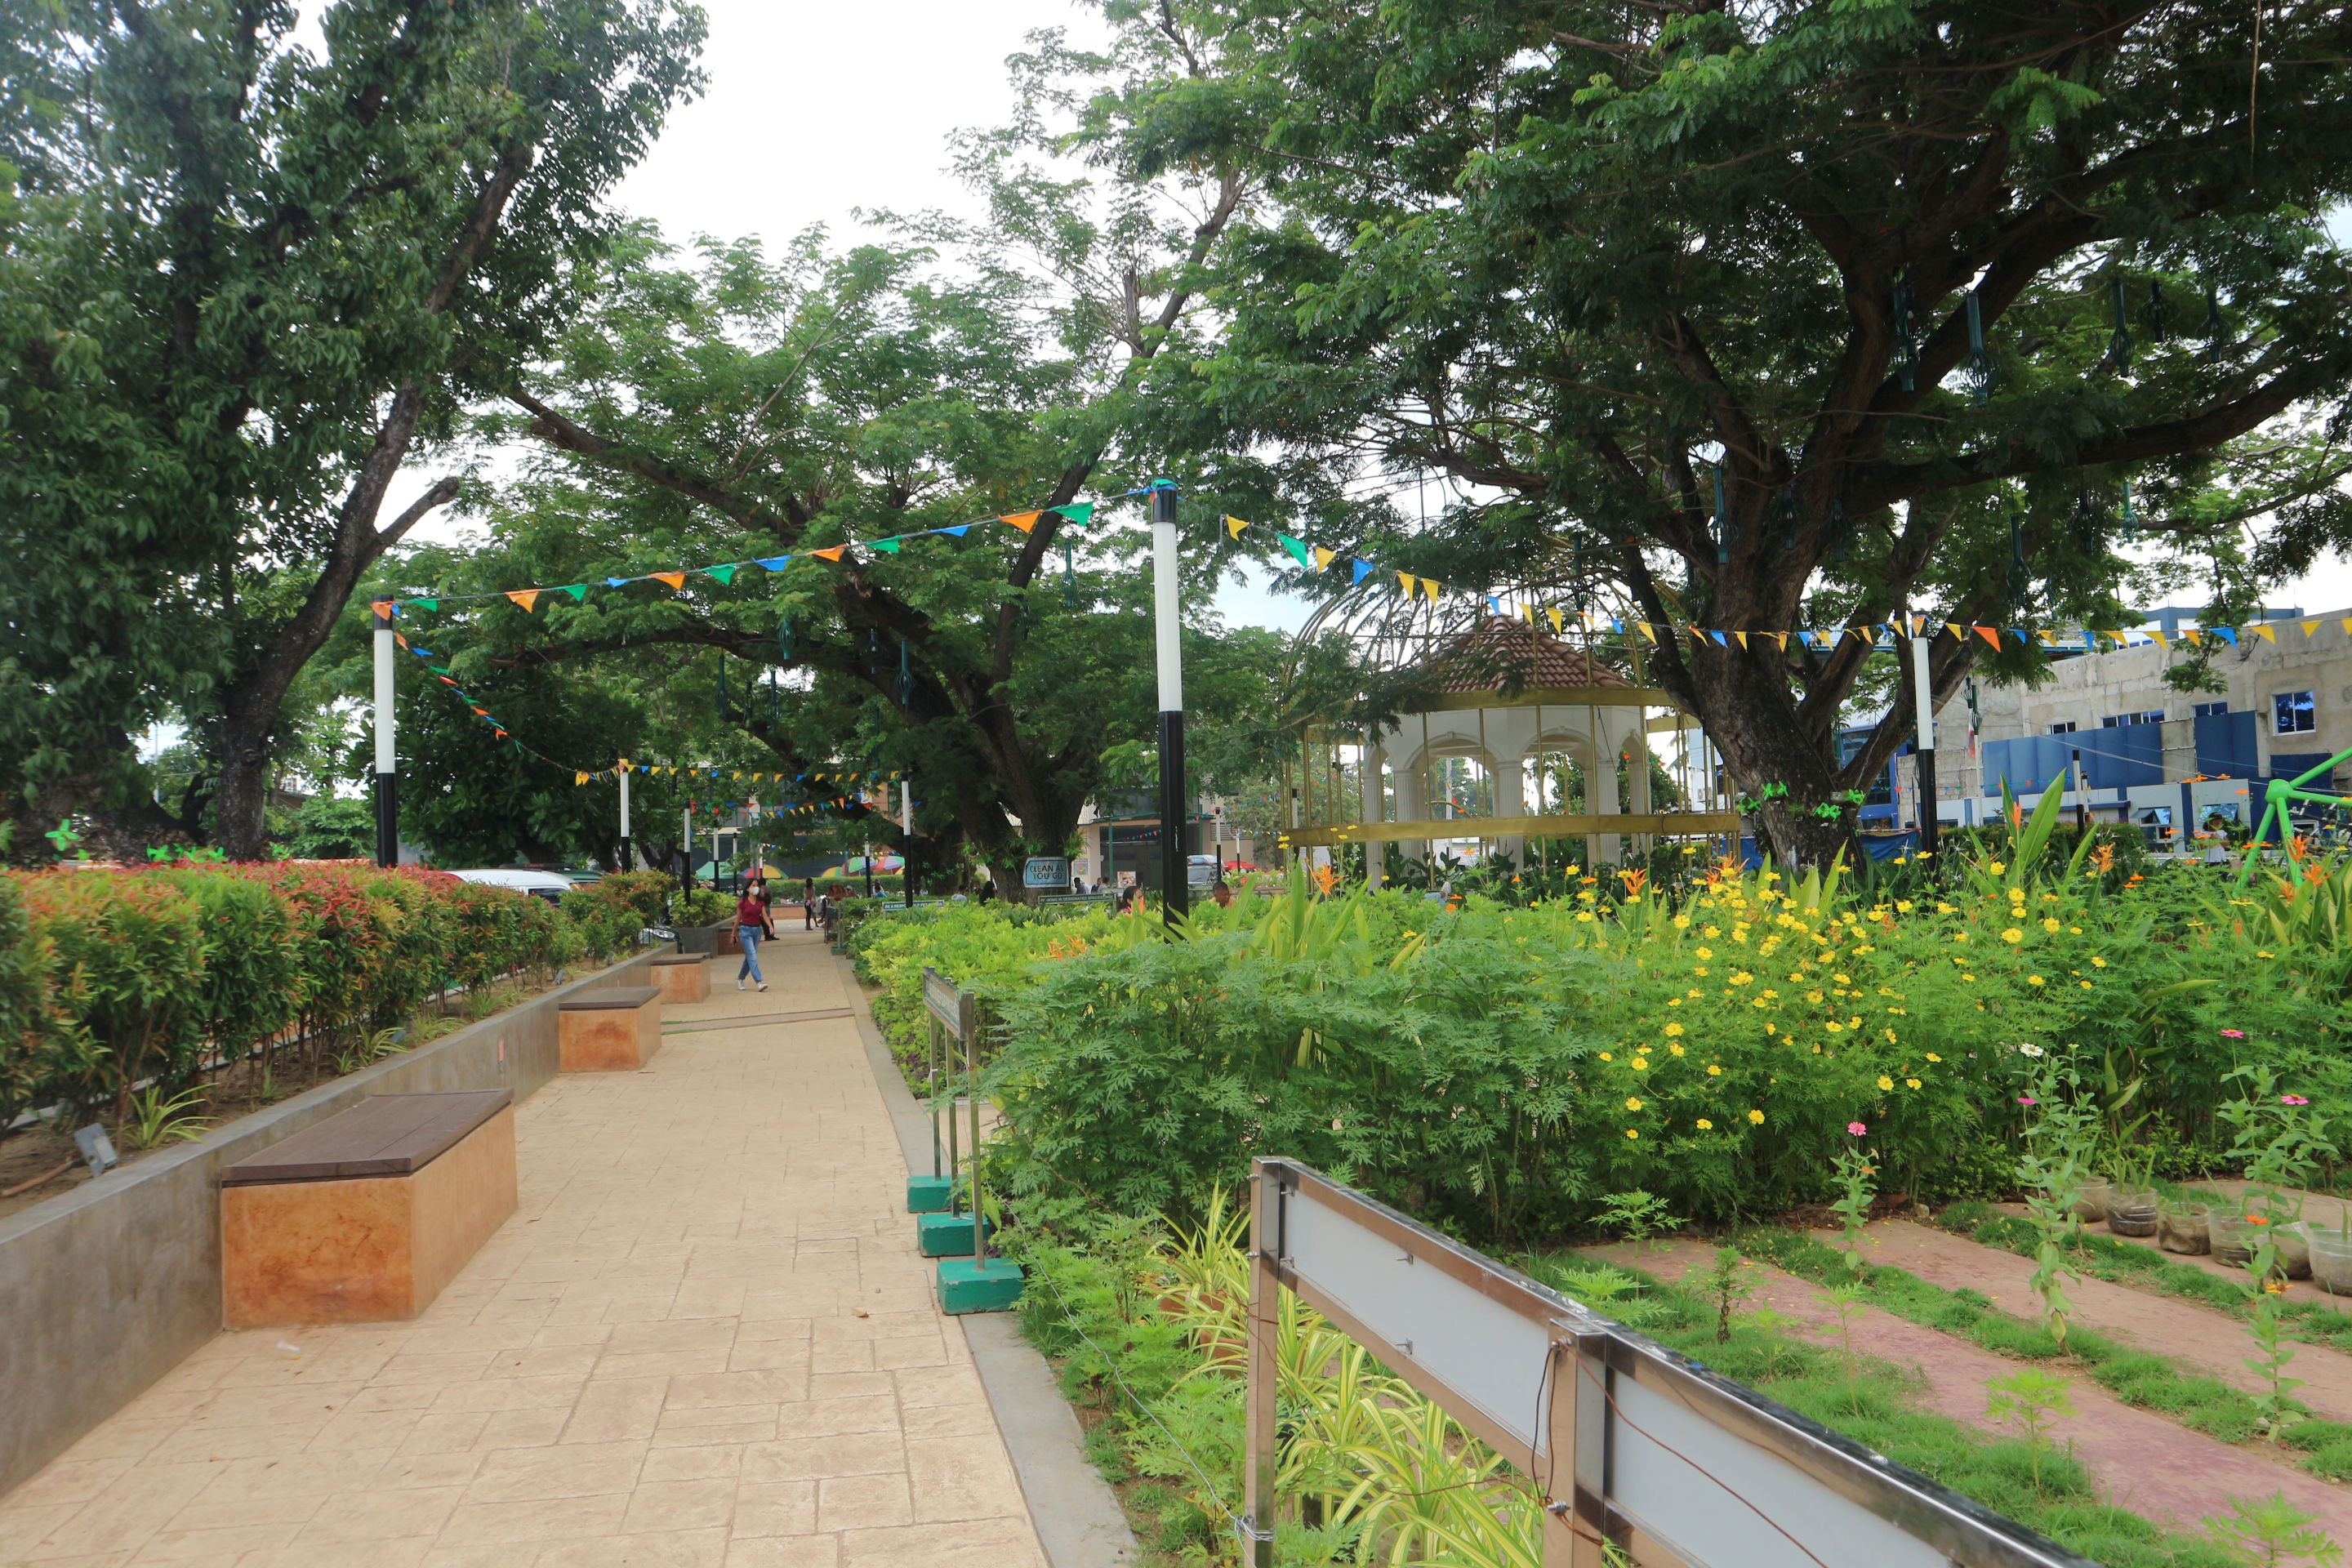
1498,650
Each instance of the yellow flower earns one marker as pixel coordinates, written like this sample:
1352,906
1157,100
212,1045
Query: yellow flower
1705,1125
1677,1050
2012,935
1584,917
1706,951
1641,1064
1607,1058
1631,1133
2047,924
1911,1082
1946,910
1886,1082
1633,1104
1710,930
1996,867
2097,962
1934,1057
1757,1117
1673,1029
2083,983
1968,977
1682,922
2034,980
1714,1071
1741,977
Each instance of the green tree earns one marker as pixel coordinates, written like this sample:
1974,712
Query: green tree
746,409
1924,285
246,281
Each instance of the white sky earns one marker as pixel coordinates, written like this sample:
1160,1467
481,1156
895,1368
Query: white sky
813,112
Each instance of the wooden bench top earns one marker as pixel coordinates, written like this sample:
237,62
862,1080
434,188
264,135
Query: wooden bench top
611,996
384,1135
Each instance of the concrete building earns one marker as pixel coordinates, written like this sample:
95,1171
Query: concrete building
2146,752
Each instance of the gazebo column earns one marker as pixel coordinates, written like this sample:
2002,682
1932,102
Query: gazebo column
1601,790
1637,773
1375,759
1510,800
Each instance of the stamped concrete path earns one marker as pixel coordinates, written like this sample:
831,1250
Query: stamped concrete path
704,1341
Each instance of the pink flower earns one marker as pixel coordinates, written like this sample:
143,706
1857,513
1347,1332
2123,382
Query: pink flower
2233,1034
1856,1128
2027,1099
2293,1099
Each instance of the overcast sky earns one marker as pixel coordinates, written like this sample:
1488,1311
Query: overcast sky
814,110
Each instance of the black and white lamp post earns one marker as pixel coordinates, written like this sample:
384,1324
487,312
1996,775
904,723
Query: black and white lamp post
387,801
1168,626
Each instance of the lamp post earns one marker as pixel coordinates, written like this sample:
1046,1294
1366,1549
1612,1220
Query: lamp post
628,856
1168,628
387,801
1923,704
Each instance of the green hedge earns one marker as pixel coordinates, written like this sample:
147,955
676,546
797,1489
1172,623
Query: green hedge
111,977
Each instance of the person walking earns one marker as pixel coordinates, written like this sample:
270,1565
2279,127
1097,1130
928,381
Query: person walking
750,924
808,904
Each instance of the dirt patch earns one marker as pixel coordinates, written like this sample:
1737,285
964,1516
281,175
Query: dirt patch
235,1092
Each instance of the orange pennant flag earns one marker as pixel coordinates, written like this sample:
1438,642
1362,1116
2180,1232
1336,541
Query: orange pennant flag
526,597
834,554
1234,525
1023,521
675,579
1990,634
2193,633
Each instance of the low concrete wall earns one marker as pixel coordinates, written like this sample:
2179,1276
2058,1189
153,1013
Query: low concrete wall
106,1288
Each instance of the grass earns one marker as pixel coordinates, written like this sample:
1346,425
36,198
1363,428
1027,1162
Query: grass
2203,1404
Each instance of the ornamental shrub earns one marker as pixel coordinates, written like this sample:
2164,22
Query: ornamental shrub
126,952
43,1044
253,980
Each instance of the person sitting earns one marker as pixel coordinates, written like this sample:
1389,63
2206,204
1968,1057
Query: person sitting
1222,893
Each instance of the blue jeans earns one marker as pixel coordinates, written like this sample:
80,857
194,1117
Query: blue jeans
749,938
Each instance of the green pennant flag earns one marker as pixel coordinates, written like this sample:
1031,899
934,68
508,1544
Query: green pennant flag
438,668
888,546
1081,512
579,592
427,603
724,573
1297,548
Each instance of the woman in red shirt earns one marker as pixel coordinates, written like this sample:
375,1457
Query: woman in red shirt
751,925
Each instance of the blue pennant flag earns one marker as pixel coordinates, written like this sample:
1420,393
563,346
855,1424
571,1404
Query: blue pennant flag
774,563
1362,569
618,581
2227,633
422,652
960,529
1721,640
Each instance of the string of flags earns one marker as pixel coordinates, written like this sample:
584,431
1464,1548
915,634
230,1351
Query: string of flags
854,780
1877,635
1077,513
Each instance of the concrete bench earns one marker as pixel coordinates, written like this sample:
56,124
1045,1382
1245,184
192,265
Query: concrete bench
681,979
615,1030
364,1218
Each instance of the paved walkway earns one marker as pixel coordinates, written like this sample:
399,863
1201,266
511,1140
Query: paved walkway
705,1339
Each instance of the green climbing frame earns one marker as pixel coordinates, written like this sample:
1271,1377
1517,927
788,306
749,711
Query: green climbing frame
2275,808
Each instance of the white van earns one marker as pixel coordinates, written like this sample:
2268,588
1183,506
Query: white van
549,885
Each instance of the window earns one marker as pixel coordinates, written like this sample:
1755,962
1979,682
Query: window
2294,713
2066,728
2117,720
2210,710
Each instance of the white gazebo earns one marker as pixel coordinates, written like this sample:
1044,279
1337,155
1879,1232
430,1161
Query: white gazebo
1480,747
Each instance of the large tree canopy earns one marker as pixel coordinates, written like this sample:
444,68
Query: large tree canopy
245,279
1932,283
743,408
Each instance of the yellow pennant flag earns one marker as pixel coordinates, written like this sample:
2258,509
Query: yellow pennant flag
579,778
1782,638
526,597
2310,627
1528,614
2159,638
2194,636
1023,521
2346,624
1235,525
739,774
1404,580
1647,632
1954,627
1323,558
675,579
1557,623
1429,590
2265,632
623,764
2049,638
1743,638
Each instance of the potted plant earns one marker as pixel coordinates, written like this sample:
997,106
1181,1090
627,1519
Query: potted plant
2131,1199
2282,1141
2331,1252
2181,1225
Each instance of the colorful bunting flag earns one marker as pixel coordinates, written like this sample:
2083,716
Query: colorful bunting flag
1297,547
526,597
677,580
1235,525
1023,521
724,573
833,554
1323,558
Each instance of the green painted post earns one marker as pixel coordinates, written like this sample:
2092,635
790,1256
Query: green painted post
972,1087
